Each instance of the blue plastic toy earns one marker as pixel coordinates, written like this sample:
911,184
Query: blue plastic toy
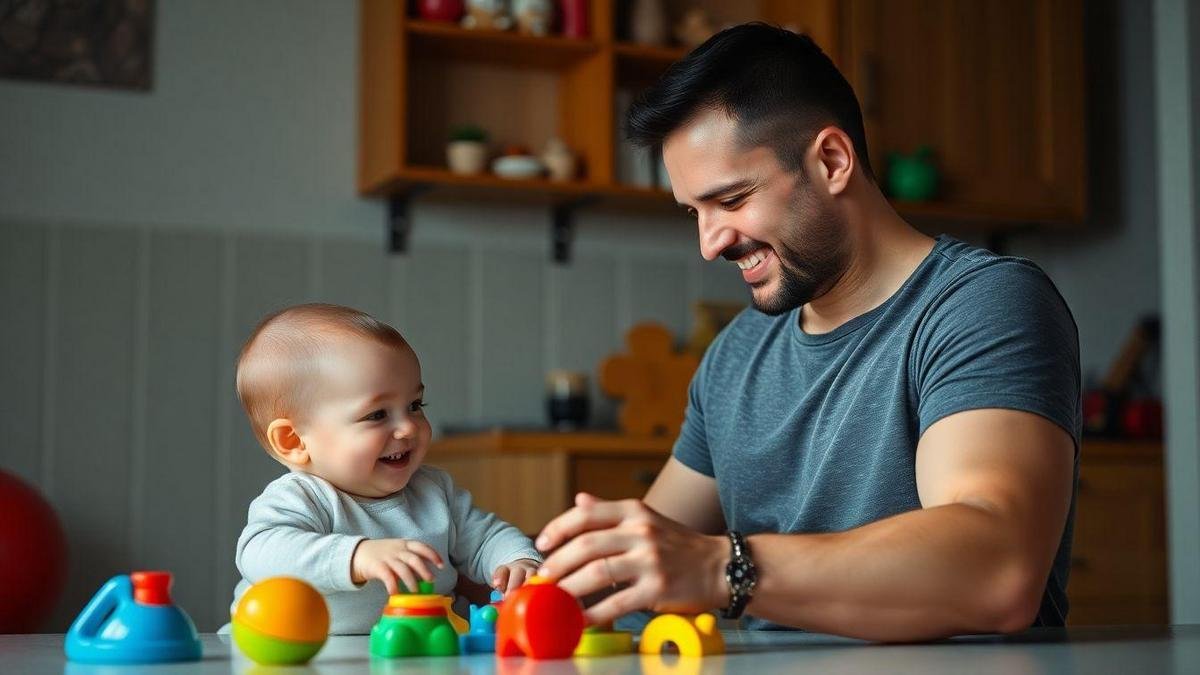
481,638
131,619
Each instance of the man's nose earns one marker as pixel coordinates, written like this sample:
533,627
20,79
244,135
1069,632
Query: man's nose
715,237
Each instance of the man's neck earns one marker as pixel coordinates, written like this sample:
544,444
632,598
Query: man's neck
885,251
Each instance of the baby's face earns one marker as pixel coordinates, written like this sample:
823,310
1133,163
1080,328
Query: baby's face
365,431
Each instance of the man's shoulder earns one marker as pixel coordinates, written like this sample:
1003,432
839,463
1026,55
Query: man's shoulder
980,281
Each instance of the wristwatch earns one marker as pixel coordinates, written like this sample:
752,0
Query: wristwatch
741,576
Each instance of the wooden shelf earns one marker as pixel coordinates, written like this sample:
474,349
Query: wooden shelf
430,39
641,65
534,190
1014,164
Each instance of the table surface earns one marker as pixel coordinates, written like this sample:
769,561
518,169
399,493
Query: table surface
1154,649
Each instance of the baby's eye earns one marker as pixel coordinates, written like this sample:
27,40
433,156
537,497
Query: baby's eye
416,405
377,416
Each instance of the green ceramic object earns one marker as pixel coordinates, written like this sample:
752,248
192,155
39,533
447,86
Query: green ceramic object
912,177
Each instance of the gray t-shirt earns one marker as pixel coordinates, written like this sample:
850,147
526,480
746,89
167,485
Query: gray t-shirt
818,433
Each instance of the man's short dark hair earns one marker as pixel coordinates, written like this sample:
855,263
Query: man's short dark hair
778,85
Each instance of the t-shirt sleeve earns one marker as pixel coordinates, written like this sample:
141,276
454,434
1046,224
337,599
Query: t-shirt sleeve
999,337
691,447
288,533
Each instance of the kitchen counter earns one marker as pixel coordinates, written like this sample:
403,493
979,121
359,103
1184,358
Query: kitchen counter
1154,649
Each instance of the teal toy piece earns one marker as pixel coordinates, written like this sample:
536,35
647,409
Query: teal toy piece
481,639
132,620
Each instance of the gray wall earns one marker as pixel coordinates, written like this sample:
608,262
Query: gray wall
141,235
1177,48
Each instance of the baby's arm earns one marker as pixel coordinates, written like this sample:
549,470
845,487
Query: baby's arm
486,546
288,533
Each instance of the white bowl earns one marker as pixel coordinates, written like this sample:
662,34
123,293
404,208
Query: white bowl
517,166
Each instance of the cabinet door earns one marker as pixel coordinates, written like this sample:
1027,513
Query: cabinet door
1118,560
615,477
994,87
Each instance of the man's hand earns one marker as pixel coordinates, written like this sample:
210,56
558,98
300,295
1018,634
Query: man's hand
392,560
600,544
511,576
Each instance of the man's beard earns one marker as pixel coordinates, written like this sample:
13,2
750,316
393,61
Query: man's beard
811,256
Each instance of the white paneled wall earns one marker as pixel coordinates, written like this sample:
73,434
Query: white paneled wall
118,345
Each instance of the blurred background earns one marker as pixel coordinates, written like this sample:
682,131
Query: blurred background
170,171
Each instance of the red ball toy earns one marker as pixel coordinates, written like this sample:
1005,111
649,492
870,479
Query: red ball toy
33,557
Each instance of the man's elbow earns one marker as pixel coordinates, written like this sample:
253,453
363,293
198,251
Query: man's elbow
1016,595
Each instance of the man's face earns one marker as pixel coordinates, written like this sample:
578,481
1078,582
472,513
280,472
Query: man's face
775,224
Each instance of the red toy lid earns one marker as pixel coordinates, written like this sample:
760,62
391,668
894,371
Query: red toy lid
151,588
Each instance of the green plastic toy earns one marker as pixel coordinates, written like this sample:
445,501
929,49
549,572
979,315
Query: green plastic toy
414,624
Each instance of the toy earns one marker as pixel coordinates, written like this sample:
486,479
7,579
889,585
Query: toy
652,379
131,620
33,557
604,641
696,636
481,637
415,624
539,620
487,14
280,620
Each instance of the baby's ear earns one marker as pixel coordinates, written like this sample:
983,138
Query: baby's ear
285,442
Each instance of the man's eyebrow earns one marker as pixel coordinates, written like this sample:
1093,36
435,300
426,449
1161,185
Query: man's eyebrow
722,189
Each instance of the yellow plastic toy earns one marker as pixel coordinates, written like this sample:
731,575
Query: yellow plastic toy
695,636
604,641
280,620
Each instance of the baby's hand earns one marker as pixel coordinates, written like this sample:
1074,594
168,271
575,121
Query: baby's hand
389,560
510,576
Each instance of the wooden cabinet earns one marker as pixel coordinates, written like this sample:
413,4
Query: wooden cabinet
1118,561
994,87
527,478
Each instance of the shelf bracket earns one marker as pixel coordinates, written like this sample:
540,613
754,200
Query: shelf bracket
562,226
399,221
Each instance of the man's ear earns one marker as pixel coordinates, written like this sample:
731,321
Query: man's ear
834,159
285,442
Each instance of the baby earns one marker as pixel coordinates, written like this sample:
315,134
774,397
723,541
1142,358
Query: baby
336,397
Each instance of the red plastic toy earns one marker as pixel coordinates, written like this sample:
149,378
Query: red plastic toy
33,557
539,620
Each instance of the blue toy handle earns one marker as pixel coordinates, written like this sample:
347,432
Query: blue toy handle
87,625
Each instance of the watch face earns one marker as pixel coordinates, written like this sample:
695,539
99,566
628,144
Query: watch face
741,575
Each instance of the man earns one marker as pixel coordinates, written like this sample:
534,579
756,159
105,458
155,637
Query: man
885,446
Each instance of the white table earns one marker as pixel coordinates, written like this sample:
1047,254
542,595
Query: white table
1171,649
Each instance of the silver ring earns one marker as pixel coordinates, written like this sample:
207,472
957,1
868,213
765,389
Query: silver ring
611,578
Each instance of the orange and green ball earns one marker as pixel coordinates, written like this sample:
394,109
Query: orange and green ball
280,621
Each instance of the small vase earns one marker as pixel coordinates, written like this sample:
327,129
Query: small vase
449,11
559,161
466,157
574,15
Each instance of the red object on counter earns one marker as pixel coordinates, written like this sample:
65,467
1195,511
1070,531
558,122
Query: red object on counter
1142,419
574,18
539,620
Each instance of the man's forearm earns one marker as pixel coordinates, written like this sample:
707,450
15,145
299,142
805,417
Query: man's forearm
925,574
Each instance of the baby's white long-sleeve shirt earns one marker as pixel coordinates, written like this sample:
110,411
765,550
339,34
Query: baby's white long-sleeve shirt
302,526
